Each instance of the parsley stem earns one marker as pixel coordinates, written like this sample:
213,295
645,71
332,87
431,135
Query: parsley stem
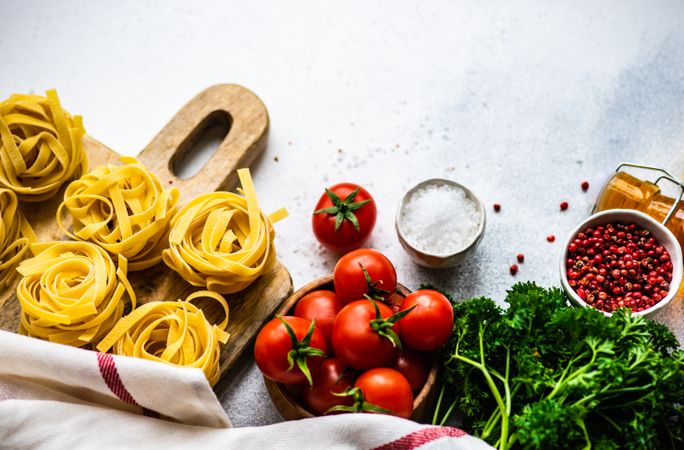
489,426
495,392
629,389
582,370
448,413
580,423
435,416
609,420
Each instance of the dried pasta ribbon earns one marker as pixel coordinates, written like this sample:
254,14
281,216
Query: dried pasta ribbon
71,293
40,146
123,209
175,333
15,236
222,240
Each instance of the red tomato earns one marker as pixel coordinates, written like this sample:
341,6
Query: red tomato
428,326
388,389
350,280
412,365
356,343
322,306
273,344
332,376
344,217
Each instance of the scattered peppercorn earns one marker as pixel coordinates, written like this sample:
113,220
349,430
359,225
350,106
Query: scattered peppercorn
563,206
513,269
585,186
520,257
550,238
618,265
497,207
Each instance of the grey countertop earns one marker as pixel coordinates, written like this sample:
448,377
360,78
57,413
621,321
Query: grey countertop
520,101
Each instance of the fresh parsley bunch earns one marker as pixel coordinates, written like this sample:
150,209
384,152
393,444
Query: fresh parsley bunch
544,375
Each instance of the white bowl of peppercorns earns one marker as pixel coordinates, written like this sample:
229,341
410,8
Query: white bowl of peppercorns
621,258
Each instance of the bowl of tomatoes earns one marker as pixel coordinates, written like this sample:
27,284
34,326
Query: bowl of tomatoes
355,341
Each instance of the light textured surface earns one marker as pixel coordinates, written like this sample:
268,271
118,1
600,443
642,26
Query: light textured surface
520,101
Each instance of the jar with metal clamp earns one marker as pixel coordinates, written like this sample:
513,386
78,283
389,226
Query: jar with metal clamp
626,191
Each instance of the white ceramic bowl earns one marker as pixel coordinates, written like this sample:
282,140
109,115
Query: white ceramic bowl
431,260
658,231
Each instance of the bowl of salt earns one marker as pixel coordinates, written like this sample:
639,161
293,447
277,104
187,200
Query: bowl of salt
440,223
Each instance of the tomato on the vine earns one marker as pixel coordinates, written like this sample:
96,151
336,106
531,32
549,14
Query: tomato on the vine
333,377
413,366
365,334
288,349
364,272
344,217
322,306
386,389
430,322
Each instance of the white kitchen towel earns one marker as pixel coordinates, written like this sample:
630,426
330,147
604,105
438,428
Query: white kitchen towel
55,396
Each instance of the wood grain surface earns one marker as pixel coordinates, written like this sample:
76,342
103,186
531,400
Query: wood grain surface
247,119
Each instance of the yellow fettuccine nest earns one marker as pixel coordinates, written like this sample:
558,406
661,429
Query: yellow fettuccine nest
71,293
222,240
175,333
123,209
40,146
15,236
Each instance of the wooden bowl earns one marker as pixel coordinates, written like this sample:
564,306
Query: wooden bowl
282,395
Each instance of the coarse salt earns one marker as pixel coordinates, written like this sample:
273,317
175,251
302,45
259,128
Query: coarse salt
440,219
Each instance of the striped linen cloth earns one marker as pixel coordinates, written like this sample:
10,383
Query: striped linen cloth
58,397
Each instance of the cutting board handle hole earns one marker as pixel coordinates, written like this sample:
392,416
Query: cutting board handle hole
196,150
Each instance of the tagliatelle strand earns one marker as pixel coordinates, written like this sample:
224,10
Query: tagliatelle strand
71,292
222,240
172,332
15,236
40,146
123,209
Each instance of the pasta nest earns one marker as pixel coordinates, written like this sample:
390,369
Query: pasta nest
40,146
123,209
175,333
222,240
71,293
15,236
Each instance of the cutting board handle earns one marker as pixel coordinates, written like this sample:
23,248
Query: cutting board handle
247,119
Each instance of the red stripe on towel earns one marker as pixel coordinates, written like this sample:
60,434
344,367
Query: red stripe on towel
421,437
111,377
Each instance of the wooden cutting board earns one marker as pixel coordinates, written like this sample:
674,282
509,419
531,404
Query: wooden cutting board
247,119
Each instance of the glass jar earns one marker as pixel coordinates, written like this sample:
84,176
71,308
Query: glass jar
625,191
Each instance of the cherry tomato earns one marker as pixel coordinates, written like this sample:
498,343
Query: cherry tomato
412,365
356,343
332,376
273,344
344,217
388,389
350,280
428,326
322,306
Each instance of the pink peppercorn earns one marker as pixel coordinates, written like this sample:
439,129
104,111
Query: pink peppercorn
629,268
